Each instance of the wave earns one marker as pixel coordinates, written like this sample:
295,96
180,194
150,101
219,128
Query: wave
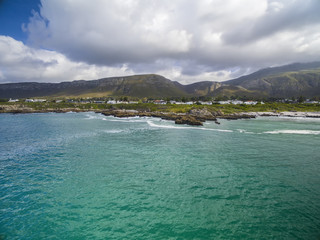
128,120
291,119
152,124
168,125
217,130
95,116
113,119
114,131
303,132
245,131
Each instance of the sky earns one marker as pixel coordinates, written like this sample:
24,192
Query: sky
183,40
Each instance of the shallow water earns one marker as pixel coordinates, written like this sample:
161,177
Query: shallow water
87,176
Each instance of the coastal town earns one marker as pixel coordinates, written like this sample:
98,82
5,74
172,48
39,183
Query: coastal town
159,101
181,112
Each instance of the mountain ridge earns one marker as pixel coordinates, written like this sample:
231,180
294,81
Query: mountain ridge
293,80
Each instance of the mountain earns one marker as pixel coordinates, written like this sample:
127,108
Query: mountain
149,85
294,80
298,79
202,88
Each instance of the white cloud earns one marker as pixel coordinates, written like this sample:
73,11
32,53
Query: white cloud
2,77
21,63
185,40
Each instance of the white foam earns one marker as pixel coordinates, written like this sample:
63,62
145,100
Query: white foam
95,116
114,119
152,124
128,120
292,118
218,130
303,132
244,131
114,131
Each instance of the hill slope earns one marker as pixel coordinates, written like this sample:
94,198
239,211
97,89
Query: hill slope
150,85
299,79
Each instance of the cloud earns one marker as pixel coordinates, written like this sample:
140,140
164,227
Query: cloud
108,32
285,15
187,40
20,63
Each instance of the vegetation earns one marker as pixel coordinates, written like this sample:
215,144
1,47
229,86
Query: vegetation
280,82
174,108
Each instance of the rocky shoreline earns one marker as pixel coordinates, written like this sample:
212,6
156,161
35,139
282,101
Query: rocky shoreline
195,117
285,114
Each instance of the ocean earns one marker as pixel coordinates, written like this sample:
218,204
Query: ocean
88,176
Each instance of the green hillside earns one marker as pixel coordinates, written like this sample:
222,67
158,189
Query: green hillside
288,81
139,86
282,84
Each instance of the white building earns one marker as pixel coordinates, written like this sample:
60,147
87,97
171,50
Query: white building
236,102
205,103
250,102
224,102
159,102
189,103
39,100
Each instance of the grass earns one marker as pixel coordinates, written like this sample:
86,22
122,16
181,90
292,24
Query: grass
226,109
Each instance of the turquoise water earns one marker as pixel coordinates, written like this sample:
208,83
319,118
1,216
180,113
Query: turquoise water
87,176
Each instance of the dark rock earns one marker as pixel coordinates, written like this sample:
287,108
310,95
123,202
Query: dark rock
237,116
188,120
202,114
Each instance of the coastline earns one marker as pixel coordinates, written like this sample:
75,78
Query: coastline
195,116
285,114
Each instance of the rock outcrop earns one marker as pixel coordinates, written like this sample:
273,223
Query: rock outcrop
237,116
178,118
189,120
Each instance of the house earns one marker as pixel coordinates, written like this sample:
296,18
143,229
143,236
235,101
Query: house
205,103
236,102
13,100
159,102
224,102
250,102
311,102
39,100
189,103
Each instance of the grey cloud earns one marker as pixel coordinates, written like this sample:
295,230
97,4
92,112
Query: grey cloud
292,17
114,34
182,38
20,63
